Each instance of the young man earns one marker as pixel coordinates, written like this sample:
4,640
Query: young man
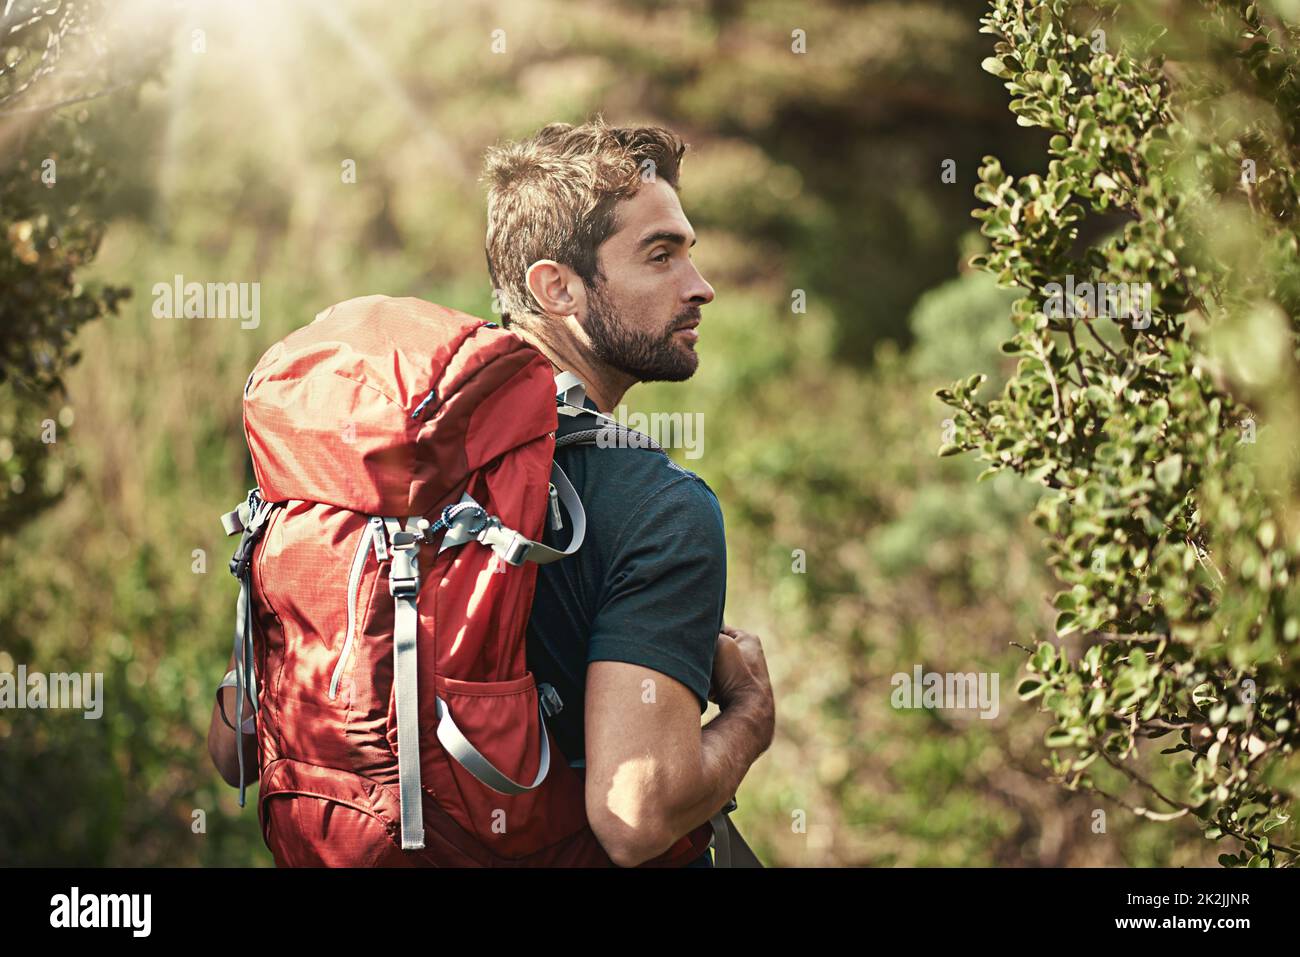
589,252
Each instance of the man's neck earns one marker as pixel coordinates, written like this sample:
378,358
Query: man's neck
604,386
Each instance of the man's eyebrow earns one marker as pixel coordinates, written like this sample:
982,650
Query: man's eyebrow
661,236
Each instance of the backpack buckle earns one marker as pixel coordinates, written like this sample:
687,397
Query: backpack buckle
404,573
517,550
403,587
257,511
551,702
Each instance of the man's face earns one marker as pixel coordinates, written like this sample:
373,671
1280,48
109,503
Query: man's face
640,319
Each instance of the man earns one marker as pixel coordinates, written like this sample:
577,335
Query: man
589,252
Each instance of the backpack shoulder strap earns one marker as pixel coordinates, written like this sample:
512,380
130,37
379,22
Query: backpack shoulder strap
591,427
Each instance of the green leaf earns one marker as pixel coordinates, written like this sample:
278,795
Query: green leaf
991,64
1058,738
1169,471
1030,688
1066,622
1044,657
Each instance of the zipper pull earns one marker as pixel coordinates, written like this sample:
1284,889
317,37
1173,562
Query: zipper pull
379,539
557,522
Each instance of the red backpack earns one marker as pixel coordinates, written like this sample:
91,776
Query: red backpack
403,453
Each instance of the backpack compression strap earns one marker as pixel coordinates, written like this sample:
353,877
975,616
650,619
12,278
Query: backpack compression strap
249,518
404,586
468,521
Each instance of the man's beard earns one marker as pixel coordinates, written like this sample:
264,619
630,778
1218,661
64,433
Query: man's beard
646,356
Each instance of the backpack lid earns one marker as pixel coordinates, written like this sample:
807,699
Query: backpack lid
385,405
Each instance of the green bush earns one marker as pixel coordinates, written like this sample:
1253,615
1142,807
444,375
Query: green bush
51,179
1160,434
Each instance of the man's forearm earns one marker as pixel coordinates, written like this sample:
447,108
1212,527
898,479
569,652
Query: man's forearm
730,744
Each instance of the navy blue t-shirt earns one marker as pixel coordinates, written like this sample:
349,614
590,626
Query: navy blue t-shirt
647,586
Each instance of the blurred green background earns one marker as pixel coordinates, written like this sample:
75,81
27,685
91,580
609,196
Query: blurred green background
855,552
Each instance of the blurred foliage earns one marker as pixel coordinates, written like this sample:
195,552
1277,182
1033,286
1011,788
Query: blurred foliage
46,234
1165,436
854,551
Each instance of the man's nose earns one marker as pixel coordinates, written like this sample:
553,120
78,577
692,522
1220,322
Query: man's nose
699,292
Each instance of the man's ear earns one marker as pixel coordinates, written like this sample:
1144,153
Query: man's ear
556,289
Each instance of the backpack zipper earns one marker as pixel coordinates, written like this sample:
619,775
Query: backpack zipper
354,585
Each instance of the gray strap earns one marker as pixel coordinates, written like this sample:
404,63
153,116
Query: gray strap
721,842
544,554
404,586
569,391
234,521
244,519
514,548
472,760
729,848
570,394
243,664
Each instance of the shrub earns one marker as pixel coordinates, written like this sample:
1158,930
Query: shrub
1156,417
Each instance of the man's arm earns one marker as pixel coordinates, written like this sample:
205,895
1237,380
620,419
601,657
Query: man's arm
653,774
221,740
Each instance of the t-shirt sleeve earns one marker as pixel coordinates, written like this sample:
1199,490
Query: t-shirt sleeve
663,601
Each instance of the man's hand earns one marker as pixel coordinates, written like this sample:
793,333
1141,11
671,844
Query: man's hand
740,676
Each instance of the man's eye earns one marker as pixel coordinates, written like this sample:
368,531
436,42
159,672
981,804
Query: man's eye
661,258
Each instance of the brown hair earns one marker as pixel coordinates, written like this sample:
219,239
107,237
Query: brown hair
552,196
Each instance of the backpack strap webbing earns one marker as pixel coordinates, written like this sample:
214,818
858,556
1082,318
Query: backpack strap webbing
404,586
248,520
473,761
467,521
729,848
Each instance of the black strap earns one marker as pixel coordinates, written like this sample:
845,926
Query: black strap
636,440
